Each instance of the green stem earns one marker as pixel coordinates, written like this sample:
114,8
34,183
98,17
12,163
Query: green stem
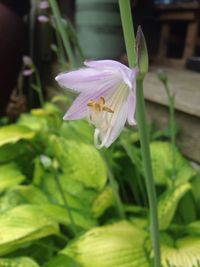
62,31
144,140
60,53
116,193
39,86
127,24
172,134
171,102
73,225
129,35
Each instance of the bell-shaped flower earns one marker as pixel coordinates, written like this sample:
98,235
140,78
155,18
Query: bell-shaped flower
106,97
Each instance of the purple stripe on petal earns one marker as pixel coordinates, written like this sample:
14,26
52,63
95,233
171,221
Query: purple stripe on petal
127,74
84,80
106,64
112,133
78,109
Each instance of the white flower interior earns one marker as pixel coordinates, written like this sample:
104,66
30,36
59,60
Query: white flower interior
103,113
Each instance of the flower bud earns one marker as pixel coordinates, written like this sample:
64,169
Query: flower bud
141,52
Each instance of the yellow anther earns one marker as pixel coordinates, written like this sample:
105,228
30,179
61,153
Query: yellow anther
99,105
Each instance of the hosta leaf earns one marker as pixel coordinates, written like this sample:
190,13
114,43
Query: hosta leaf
23,224
62,261
71,189
10,175
196,191
33,122
103,201
183,252
117,245
23,194
10,152
187,203
193,228
168,203
14,133
18,262
77,130
80,161
161,153
61,215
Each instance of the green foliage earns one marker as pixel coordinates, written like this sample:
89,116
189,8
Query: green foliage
120,244
62,261
18,262
184,252
161,153
14,133
10,175
82,162
168,203
23,224
104,200
49,170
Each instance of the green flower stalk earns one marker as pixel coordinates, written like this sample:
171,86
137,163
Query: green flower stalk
62,31
171,101
142,61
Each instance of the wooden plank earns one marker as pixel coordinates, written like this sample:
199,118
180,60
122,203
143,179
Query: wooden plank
178,6
177,16
191,38
185,85
165,33
169,62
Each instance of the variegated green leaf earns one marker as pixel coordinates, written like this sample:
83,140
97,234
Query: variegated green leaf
183,252
13,133
18,262
103,201
23,224
117,245
10,175
161,154
168,203
80,161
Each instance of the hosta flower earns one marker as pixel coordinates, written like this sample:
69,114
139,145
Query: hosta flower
106,97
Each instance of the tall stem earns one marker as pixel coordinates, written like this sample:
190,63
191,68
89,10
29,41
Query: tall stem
144,140
39,88
116,193
173,134
62,31
73,225
129,37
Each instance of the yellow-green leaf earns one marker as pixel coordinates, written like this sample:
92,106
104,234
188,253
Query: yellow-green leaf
116,245
10,175
18,262
23,224
13,133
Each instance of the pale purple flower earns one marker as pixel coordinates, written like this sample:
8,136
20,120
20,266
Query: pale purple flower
28,72
44,5
28,68
106,97
27,61
43,19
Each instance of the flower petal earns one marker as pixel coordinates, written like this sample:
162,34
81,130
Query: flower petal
84,80
131,109
110,135
128,75
105,64
79,108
